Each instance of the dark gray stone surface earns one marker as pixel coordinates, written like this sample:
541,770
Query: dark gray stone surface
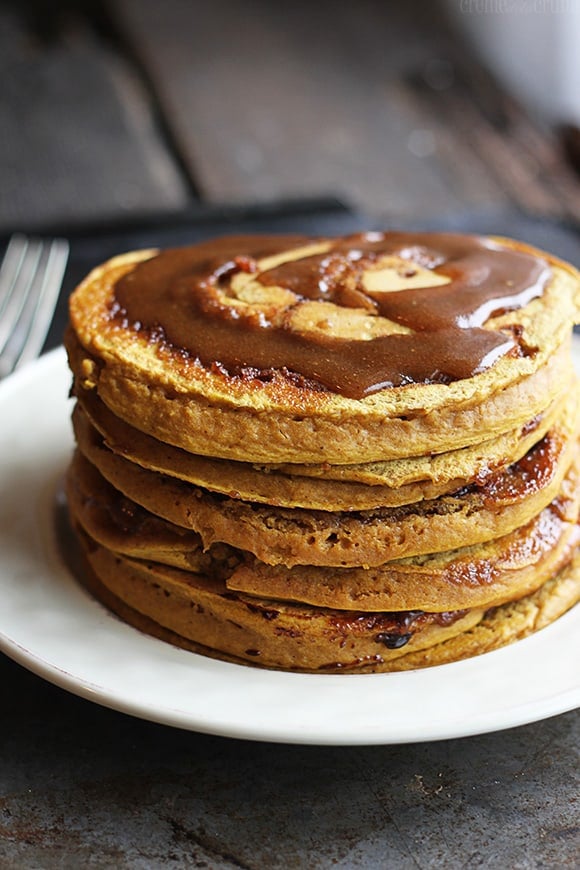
82,785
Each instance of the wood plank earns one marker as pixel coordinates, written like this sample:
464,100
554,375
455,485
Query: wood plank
525,158
77,137
269,100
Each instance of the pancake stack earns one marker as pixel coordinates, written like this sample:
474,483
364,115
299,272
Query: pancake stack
329,455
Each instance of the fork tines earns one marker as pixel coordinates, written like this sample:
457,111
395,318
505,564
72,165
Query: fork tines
30,280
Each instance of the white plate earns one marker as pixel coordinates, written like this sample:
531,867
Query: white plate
51,626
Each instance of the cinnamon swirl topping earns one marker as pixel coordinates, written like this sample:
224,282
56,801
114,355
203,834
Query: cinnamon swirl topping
353,315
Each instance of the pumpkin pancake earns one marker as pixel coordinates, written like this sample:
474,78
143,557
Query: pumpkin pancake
484,575
373,347
388,484
296,536
192,611
120,524
201,608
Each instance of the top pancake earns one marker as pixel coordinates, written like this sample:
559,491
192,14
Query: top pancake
260,413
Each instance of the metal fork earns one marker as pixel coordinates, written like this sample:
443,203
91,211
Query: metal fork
31,276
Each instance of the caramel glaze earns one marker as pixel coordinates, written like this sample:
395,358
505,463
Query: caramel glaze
535,542
393,630
528,475
173,299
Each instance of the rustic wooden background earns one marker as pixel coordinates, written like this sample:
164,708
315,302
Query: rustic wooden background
145,105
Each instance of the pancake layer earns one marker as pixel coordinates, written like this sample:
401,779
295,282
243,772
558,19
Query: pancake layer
201,615
323,487
481,576
478,513
268,414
